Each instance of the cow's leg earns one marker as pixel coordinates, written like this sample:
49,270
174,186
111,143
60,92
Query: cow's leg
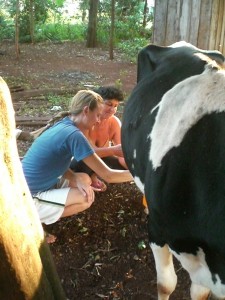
198,271
199,292
166,276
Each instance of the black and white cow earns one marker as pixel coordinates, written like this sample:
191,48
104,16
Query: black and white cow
173,138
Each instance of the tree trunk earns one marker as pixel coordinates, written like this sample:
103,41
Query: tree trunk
31,15
112,28
92,24
17,17
27,268
145,13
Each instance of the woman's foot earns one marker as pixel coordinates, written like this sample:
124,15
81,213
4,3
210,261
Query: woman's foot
50,238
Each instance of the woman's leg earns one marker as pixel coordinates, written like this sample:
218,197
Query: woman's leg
76,202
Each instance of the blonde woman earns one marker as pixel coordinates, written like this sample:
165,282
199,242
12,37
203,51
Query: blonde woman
57,191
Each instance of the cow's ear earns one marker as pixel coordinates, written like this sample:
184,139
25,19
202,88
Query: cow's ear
148,58
217,56
211,64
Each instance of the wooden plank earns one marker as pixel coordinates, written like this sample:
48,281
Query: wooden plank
17,96
194,21
185,20
214,25
172,30
200,22
222,39
160,22
32,121
204,25
219,26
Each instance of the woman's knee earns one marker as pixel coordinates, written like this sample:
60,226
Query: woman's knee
76,197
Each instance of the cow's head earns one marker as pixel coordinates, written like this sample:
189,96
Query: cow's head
159,69
180,54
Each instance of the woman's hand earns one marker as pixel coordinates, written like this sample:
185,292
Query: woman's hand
82,181
117,150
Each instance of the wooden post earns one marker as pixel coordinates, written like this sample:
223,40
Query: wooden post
27,268
200,22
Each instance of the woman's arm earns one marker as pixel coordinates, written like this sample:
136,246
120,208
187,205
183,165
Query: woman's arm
109,151
115,130
103,171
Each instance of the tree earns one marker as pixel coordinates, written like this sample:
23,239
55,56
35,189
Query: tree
145,13
111,41
32,17
17,18
83,6
92,24
27,268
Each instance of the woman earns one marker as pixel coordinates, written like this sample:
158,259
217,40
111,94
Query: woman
105,136
56,189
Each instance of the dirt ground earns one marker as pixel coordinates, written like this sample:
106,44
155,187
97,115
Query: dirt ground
102,253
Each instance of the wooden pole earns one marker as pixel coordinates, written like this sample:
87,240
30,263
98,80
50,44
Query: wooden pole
27,268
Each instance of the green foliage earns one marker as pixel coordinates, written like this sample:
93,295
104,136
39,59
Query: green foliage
61,32
6,27
131,47
56,100
141,245
50,23
40,9
128,24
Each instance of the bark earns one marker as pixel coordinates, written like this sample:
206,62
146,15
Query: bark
27,268
17,17
145,13
31,16
92,24
112,28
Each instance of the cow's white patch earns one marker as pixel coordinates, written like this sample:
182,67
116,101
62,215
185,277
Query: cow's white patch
183,44
182,107
139,184
199,272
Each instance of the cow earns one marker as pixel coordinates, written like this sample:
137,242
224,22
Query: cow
173,139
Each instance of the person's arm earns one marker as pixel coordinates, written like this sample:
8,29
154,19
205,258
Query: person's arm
114,137
115,130
109,151
104,172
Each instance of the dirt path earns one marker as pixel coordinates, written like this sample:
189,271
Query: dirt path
65,65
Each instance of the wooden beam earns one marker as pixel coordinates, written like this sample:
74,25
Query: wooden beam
27,267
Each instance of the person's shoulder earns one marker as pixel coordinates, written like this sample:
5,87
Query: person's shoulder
115,120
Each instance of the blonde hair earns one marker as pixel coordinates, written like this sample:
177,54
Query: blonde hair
79,101
84,98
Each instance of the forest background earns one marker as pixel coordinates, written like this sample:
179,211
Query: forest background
125,25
